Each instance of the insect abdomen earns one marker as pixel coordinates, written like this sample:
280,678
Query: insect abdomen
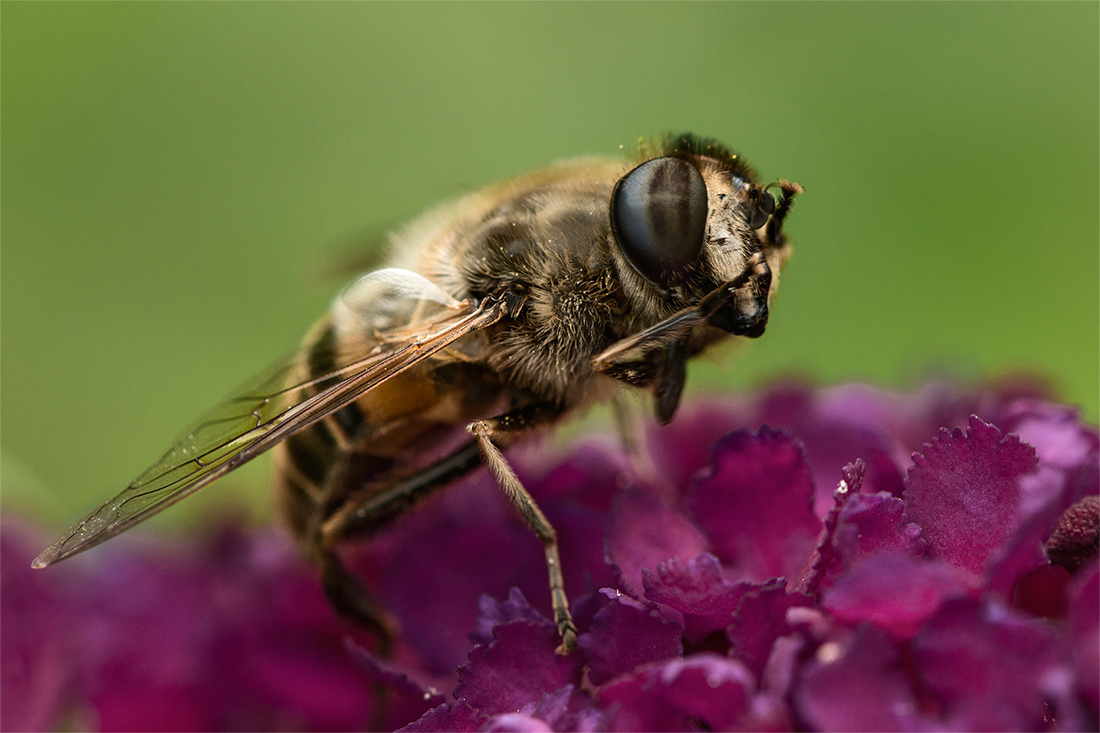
389,433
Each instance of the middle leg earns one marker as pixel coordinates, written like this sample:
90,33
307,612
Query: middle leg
505,428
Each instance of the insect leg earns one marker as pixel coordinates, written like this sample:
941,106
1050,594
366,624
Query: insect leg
349,599
502,427
631,359
622,417
343,590
361,518
345,593
331,525
655,358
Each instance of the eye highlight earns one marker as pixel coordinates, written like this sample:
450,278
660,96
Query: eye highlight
659,217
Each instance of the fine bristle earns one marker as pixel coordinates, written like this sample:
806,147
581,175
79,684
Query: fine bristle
688,145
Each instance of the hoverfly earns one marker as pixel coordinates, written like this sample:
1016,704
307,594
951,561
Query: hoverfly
505,311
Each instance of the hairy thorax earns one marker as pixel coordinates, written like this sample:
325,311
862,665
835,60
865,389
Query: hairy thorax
545,236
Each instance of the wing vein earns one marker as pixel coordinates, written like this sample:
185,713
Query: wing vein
199,462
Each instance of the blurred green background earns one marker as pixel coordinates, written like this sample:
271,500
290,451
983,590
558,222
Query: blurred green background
175,176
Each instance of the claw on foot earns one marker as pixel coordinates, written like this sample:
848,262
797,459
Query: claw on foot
568,639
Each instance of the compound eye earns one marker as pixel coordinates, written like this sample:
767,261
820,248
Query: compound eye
659,217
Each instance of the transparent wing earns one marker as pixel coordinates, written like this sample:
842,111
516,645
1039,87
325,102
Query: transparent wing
405,318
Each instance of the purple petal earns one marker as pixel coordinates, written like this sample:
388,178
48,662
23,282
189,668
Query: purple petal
760,619
406,698
36,666
684,446
590,474
1083,636
831,438
893,591
703,691
1022,553
586,607
455,718
302,686
824,553
581,541
517,668
230,631
467,542
235,634
771,708
249,623
990,668
463,545
1084,480
913,418
154,707
516,723
696,588
1069,455
1055,431
492,612
836,427
755,503
1043,593
567,709
875,523
964,493
626,634
860,684
644,530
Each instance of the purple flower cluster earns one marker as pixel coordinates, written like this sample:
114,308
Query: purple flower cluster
862,560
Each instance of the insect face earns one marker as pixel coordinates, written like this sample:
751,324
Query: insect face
686,223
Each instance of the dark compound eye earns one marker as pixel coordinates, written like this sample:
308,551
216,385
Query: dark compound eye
659,216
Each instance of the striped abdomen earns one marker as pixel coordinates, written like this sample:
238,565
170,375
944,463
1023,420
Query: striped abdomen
389,433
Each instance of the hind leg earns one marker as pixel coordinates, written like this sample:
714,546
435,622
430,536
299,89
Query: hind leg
331,525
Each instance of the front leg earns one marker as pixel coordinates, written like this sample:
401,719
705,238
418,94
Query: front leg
505,428
655,358
621,357
663,372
